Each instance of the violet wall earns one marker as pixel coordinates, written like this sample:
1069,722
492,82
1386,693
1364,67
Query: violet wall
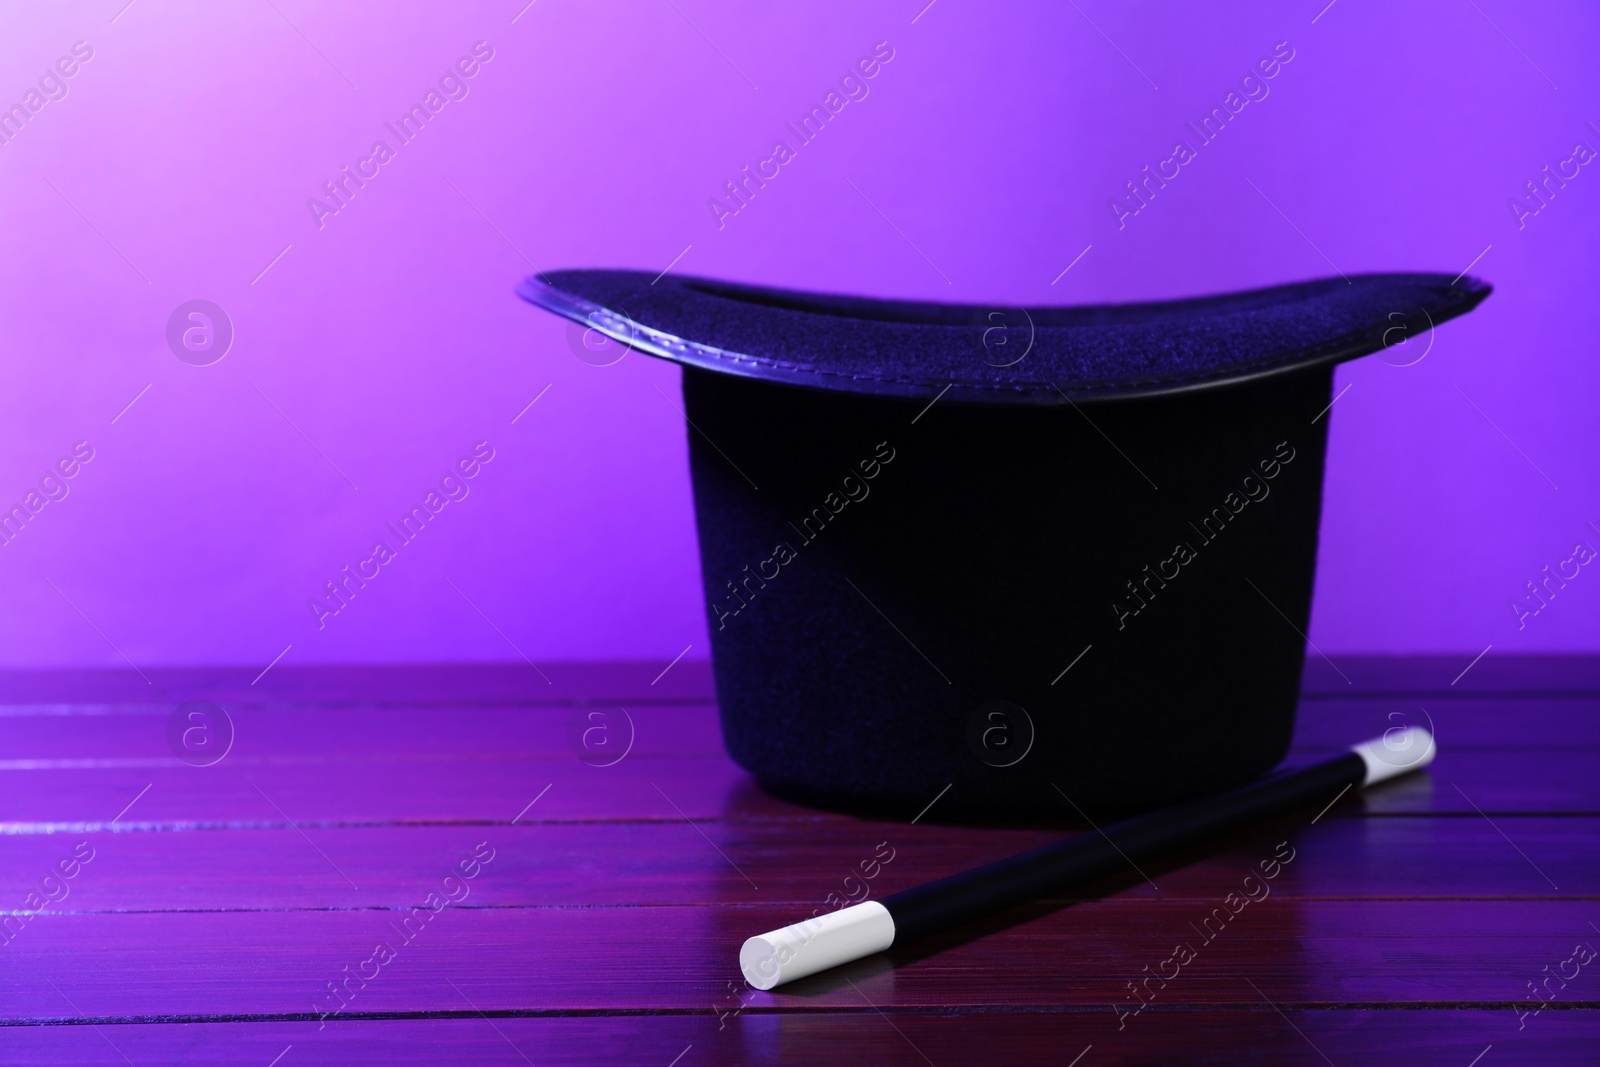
374,347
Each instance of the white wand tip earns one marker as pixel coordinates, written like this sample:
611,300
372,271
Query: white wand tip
817,944
1397,752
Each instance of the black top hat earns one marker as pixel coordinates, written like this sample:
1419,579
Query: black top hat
1023,553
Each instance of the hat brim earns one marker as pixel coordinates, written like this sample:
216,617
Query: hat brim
1003,354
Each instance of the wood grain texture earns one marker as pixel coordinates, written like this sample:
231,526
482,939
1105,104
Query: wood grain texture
950,1038
109,735
647,863
220,905
493,791
201,965
405,683
1452,677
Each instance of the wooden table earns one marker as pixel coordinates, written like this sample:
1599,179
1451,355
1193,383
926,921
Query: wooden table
605,904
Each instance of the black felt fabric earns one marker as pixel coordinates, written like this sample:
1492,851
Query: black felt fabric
982,559
888,562
1085,353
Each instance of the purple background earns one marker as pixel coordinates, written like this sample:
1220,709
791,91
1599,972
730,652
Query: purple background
180,161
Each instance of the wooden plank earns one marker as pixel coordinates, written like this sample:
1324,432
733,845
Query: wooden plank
1562,780
671,863
401,791
136,734
1448,675
688,680
827,1039
602,902
1483,722
208,965
1213,1037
